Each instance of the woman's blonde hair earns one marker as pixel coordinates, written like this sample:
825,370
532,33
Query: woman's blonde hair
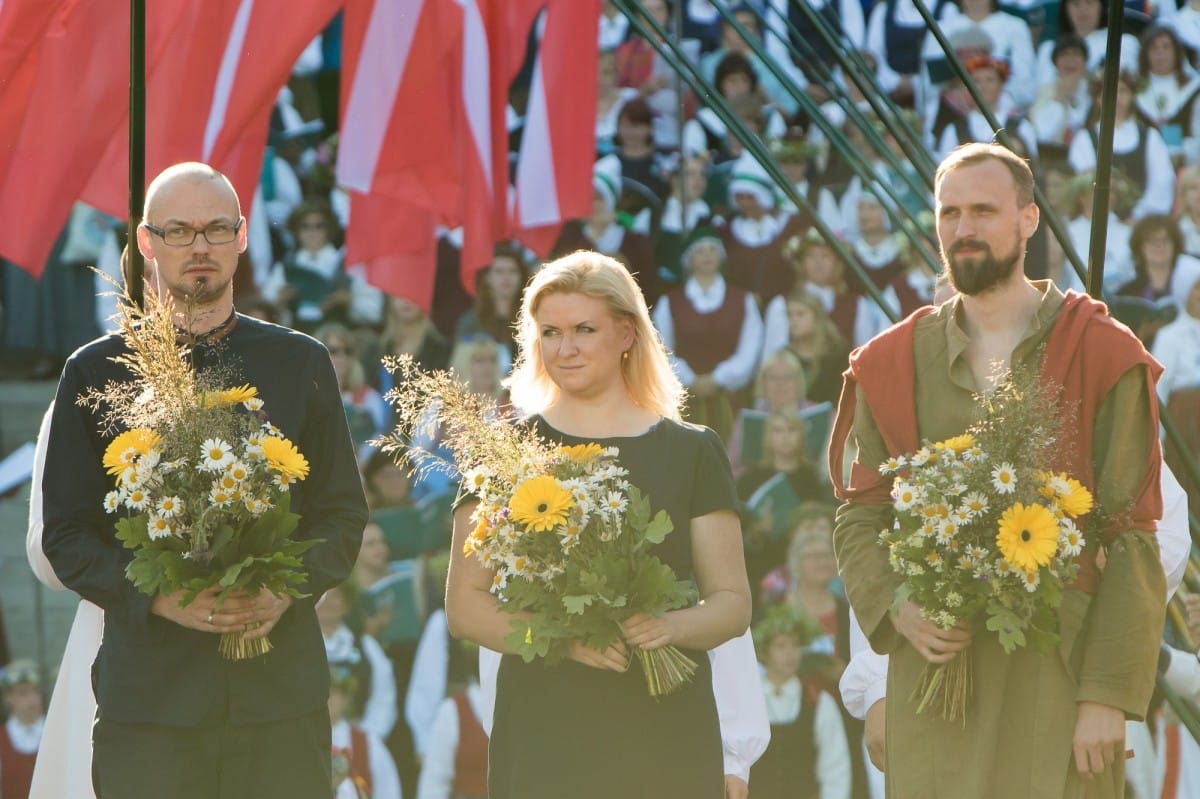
792,420
1188,177
331,333
467,352
648,376
828,338
790,361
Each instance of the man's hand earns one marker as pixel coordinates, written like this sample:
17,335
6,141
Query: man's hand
268,609
931,642
1099,738
255,615
736,788
873,733
202,612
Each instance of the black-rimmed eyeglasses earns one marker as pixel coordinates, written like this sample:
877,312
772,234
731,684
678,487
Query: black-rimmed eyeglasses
181,236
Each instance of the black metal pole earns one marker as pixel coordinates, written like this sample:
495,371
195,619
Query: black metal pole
1104,154
135,270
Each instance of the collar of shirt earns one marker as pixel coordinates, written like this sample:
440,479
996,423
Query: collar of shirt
757,233
674,215
783,702
705,300
324,261
877,255
609,242
339,647
25,739
957,339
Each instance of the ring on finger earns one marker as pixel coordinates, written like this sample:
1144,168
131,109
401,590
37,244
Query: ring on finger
210,619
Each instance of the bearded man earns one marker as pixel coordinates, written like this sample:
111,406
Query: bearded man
1038,725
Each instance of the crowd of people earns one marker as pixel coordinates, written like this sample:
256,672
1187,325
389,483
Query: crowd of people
758,292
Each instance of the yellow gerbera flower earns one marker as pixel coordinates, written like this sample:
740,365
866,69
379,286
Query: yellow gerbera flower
958,444
540,503
283,457
582,453
139,440
1027,536
1077,501
228,396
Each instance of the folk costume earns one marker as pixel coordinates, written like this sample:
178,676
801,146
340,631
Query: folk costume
913,383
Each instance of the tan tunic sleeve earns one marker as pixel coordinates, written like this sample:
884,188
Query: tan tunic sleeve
863,564
1125,622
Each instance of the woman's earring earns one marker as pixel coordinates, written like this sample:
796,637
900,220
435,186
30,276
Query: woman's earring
625,355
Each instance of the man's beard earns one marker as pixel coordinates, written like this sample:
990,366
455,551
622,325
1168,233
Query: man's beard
979,272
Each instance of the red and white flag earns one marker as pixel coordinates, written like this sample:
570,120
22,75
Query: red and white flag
214,68
558,144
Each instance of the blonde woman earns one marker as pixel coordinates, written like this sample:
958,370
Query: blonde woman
592,369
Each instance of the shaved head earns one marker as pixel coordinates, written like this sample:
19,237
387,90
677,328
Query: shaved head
187,172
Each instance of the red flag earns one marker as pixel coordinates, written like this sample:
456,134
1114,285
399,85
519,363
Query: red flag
76,99
213,71
425,91
22,26
558,145
400,257
214,49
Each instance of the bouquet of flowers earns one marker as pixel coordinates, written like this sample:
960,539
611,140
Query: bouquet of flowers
566,535
985,530
202,476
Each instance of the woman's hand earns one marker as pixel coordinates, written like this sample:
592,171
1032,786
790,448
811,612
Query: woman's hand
615,658
647,632
931,641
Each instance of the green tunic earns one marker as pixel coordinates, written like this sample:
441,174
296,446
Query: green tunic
1017,741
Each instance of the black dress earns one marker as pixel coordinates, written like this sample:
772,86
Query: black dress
574,731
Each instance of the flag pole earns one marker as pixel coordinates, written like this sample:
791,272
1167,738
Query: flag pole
1104,153
134,271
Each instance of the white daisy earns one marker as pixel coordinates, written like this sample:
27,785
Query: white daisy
237,470
615,502
283,481
158,527
905,495
253,404
113,501
975,503
1004,478
892,465
170,507
220,496
215,455
136,499
921,457
1069,538
1030,580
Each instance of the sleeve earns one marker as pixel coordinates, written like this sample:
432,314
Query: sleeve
334,510
33,536
385,780
77,537
1167,352
853,24
833,752
876,45
1174,537
379,716
864,682
367,303
427,686
735,372
1081,154
1183,674
869,580
741,709
1023,81
775,327
489,670
713,488
666,331
1160,177
1122,637
437,769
